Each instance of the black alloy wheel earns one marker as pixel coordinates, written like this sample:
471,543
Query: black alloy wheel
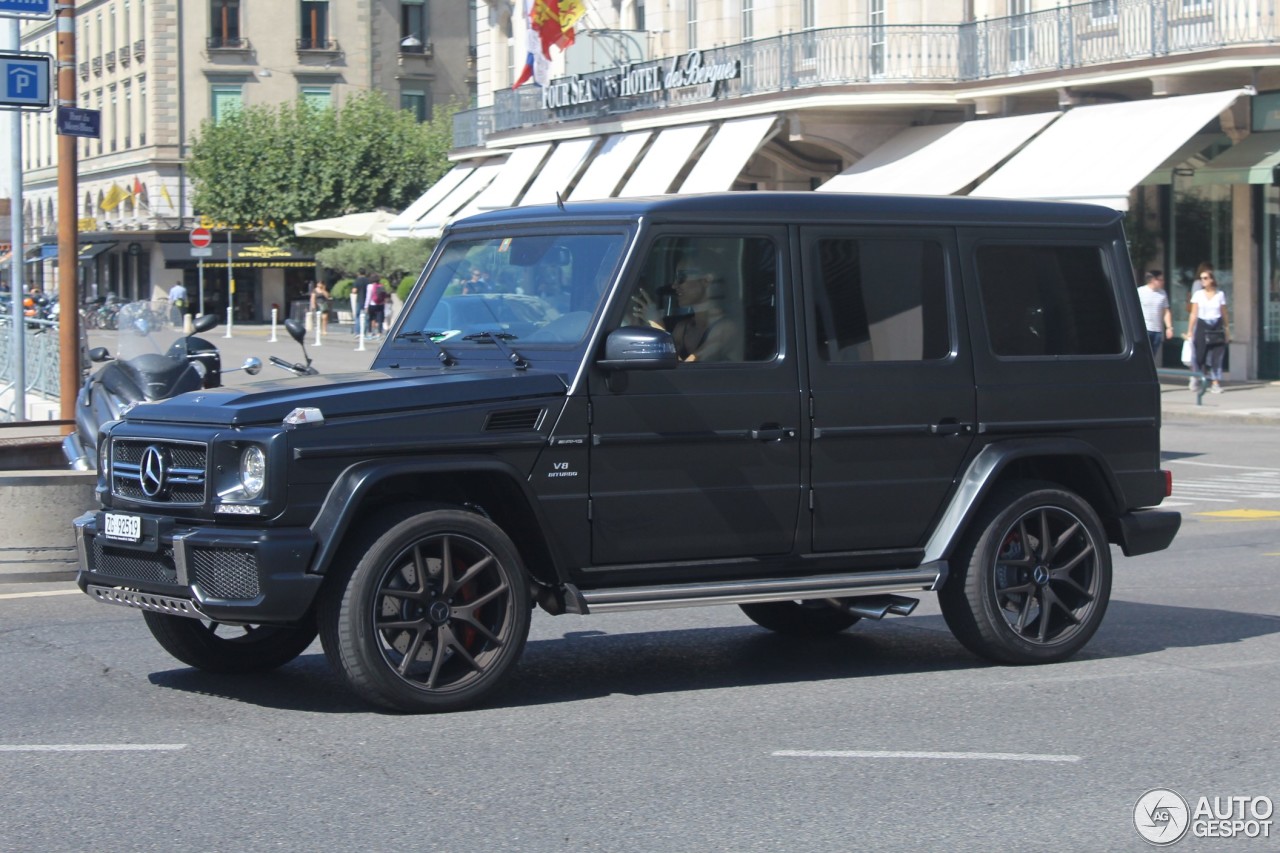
1032,581
236,649
434,615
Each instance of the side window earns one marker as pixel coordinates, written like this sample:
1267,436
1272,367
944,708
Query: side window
717,296
1043,300
881,299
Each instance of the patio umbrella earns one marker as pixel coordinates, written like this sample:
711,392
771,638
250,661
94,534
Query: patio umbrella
354,226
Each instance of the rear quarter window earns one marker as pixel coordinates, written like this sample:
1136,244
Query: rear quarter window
1047,300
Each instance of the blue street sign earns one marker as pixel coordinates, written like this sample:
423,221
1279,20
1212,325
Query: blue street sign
24,80
73,121
31,8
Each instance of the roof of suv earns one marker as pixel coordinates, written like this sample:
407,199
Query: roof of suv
817,207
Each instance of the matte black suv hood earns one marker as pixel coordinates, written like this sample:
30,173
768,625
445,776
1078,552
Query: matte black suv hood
348,395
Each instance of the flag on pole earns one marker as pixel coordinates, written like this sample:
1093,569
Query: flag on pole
536,66
164,194
139,190
113,196
554,20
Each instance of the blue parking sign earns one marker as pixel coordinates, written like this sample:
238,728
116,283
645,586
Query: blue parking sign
32,8
24,80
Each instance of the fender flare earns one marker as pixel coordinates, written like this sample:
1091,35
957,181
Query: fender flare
356,483
985,469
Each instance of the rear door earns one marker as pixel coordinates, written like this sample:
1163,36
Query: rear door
891,379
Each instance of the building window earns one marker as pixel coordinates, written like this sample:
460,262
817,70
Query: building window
691,25
413,26
142,110
416,102
224,23
1102,10
640,15
748,20
127,115
318,97
808,14
1019,34
315,25
114,119
876,18
227,101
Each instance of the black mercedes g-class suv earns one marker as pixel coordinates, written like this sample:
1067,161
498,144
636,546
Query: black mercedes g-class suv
814,406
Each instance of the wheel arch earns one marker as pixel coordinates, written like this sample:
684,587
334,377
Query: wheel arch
489,487
1071,463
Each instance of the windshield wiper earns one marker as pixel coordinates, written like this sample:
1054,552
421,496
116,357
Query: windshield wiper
498,338
430,337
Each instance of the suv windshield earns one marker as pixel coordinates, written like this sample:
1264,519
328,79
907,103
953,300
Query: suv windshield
533,288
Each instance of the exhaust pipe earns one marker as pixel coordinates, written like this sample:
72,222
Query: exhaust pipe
877,606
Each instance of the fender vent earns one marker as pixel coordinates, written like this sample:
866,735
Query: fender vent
513,419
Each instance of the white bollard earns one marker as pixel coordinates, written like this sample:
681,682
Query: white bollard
360,346
229,316
317,325
274,316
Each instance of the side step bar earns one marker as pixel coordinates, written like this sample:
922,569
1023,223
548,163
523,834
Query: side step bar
855,585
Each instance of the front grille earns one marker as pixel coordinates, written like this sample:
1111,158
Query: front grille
184,469
228,573
127,564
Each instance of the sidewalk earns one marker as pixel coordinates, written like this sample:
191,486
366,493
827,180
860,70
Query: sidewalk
1256,402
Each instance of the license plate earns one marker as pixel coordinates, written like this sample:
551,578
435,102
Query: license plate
127,528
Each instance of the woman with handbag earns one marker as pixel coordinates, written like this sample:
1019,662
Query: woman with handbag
1209,330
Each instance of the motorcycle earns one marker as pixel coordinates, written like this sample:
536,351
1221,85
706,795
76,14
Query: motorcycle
142,370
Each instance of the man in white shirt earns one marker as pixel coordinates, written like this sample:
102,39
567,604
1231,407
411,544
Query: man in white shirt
1155,311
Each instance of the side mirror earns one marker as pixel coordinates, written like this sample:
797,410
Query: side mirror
99,354
639,348
204,323
252,365
296,330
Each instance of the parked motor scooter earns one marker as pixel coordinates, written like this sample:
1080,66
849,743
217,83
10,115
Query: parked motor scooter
142,370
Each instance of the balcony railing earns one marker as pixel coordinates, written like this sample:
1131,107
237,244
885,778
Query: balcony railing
1064,38
84,70
97,64
109,58
320,45
226,43
140,50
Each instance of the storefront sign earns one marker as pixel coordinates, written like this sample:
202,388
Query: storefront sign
629,81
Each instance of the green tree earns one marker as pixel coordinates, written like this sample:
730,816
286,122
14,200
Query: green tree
391,260
266,167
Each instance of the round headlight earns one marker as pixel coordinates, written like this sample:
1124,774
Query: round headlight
253,471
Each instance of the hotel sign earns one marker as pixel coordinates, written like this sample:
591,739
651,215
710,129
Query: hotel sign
629,81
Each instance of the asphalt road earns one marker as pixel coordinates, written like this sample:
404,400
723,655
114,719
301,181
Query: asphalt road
684,729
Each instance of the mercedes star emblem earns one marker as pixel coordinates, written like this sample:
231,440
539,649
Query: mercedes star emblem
153,471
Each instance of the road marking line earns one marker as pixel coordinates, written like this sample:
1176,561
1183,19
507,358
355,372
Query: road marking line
968,756
9,595
1242,514
92,747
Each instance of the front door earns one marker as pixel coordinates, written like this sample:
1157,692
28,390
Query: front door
892,383
701,462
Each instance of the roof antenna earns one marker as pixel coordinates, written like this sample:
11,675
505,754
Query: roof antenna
559,200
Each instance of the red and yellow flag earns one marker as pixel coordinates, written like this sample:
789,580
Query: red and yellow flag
554,20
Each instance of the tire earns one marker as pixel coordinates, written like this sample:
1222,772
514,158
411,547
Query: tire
432,617
809,618
1031,580
237,649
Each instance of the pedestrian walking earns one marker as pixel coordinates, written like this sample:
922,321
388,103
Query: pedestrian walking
1155,311
358,288
320,305
1209,330
177,303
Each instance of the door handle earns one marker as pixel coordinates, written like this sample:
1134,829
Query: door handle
949,427
772,433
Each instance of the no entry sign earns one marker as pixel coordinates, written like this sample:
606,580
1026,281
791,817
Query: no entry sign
200,237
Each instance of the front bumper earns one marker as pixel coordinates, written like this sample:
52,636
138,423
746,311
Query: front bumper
222,574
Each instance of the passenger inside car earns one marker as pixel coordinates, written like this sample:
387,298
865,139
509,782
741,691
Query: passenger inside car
703,322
